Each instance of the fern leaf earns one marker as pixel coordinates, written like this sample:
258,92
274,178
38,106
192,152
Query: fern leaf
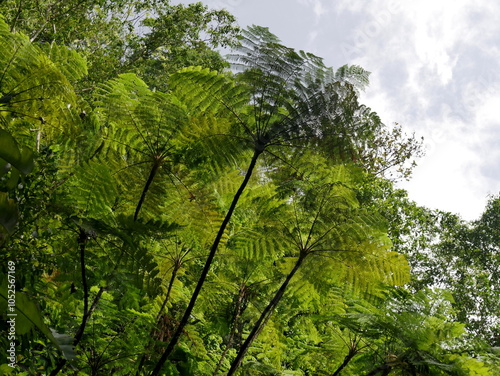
92,191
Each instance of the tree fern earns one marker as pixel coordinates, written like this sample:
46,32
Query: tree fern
141,132
294,101
329,233
34,85
409,335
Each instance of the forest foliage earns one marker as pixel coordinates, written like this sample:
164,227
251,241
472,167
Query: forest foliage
170,211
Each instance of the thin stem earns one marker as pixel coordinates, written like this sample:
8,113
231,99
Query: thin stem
81,329
264,317
236,318
82,240
85,319
158,316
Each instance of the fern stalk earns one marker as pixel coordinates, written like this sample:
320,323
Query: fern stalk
213,250
177,266
79,334
86,316
82,240
265,316
169,289
234,323
152,174
352,352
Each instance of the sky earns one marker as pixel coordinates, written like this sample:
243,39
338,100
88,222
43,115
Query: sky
435,70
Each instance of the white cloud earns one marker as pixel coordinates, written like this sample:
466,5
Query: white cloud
449,179
316,5
313,35
428,40
439,27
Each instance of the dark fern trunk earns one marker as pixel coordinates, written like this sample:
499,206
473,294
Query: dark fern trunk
152,174
206,268
346,361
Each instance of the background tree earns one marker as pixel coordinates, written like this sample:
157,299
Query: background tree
446,252
468,258
152,38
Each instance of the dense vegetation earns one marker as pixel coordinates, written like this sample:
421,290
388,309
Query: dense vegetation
172,212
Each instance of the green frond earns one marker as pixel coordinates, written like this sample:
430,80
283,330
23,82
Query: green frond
212,149
202,90
197,216
92,190
147,135
261,51
256,245
306,295
342,242
353,74
69,62
119,97
295,97
36,88
140,266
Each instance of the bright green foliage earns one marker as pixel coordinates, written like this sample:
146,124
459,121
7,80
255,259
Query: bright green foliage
35,84
35,96
214,217
408,334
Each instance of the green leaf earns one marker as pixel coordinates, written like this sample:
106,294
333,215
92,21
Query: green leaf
5,369
10,152
8,213
13,179
29,317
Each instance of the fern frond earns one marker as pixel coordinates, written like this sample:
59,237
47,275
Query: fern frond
34,87
353,74
143,137
211,149
203,91
67,61
92,190
256,245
